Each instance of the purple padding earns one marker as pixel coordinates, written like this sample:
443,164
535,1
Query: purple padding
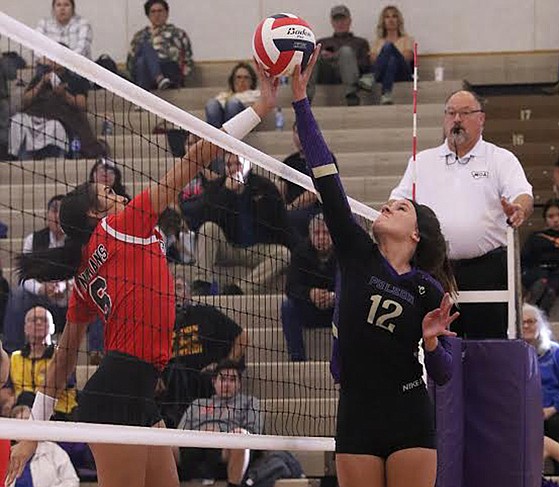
449,408
503,427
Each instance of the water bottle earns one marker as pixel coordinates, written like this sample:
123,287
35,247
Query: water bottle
75,147
107,128
280,120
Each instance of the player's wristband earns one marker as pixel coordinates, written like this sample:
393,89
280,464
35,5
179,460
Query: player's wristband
242,123
43,407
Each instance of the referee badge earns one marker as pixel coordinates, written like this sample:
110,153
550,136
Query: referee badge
480,174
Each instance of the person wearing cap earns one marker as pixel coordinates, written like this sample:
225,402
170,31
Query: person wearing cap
343,59
52,295
241,221
477,190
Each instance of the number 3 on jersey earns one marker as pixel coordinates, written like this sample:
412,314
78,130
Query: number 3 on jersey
98,292
390,309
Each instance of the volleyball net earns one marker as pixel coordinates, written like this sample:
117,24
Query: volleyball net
101,127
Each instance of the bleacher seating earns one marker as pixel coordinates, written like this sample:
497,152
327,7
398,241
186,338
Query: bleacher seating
372,145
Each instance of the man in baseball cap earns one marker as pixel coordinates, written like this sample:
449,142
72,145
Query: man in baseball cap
343,59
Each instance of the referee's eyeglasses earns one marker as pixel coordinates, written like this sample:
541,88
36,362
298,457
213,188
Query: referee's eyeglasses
450,113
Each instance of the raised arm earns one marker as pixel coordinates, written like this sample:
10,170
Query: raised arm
345,231
203,152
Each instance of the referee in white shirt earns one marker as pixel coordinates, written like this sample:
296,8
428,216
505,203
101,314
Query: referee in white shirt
476,189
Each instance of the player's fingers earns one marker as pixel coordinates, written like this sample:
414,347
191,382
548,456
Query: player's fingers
448,333
452,318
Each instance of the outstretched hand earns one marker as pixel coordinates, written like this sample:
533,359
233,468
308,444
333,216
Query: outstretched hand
19,456
515,213
300,79
268,91
436,323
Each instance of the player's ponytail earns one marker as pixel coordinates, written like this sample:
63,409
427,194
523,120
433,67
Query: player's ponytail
431,253
58,264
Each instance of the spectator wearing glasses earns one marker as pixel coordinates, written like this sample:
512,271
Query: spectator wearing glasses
477,190
242,92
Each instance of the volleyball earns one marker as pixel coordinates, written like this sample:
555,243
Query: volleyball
281,42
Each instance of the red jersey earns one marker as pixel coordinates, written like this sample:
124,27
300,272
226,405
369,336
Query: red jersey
124,278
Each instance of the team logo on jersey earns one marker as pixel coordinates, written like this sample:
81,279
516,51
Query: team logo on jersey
480,174
97,259
421,290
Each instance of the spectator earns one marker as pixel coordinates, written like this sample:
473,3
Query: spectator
476,189
28,365
310,288
203,336
4,111
53,112
51,295
228,411
540,260
242,92
50,466
244,222
392,52
105,171
555,178
537,332
65,26
180,241
343,59
160,54
301,204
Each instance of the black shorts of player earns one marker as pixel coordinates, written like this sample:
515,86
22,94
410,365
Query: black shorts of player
384,424
121,391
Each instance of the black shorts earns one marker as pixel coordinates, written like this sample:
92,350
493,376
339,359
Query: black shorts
121,391
385,424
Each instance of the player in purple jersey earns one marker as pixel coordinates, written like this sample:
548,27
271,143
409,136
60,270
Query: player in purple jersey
389,297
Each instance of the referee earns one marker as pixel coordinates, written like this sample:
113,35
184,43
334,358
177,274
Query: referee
476,188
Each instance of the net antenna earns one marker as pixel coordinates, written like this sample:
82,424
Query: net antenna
414,130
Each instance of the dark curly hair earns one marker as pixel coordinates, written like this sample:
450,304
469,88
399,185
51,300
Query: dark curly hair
151,3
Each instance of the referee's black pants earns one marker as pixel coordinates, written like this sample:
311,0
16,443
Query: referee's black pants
485,273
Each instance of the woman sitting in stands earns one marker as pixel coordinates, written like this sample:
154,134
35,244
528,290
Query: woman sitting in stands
53,113
65,26
391,53
242,93
540,260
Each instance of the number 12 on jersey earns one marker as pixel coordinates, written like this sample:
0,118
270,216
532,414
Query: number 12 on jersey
383,310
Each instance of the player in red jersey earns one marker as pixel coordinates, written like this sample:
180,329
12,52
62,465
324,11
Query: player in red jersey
119,268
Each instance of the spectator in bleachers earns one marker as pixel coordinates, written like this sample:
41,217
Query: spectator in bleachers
537,332
301,204
242,92
540,260
53,113
555,177
241,221
66,26
227,411
50,466
343,59
180,241
105,171
203,336
4,111
28,366
4,296
391,53
310,288
52,295
160,54
477,191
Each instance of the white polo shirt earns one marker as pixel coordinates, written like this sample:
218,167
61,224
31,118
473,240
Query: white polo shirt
465,194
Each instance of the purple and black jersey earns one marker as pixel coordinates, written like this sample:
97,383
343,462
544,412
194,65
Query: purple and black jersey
379,313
